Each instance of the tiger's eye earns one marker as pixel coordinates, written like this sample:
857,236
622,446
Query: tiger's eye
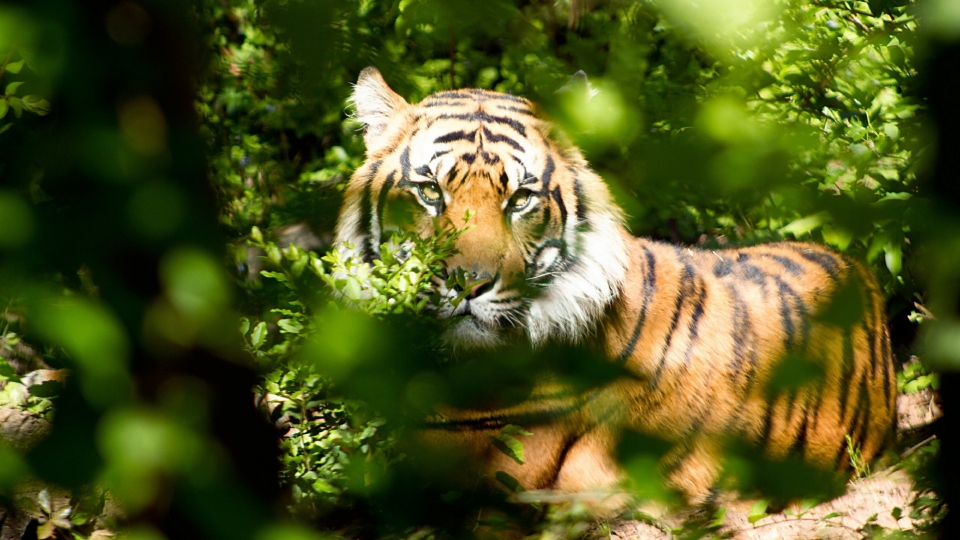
430,192
520,199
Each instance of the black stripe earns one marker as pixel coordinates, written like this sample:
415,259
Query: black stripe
580,199
785,312
521,110
452,95
865,413
824,259
800,439
506,97
869,324
858,418
489,157
434,102
365,220
563,210
685,286
722,268
547,173
476,95
492,137
846,373
405,166
752,273
740,329
649,287
813,413
792,267
455,172
494,421
886,363
561,457
768,422
468,157
482,116
504,180
423,170
458,135
695,322
438,153
382,200
374,168
366,252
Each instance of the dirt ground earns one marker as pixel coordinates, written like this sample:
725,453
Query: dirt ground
841,518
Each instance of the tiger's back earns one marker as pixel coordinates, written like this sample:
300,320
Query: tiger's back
711,332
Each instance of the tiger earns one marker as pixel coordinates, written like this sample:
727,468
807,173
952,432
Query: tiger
700,332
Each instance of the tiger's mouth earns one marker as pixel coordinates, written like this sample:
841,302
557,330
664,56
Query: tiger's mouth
482,322
472,333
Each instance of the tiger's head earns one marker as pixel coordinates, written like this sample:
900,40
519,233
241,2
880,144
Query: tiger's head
543,229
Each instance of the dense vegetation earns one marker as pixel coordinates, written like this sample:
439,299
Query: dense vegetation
729,123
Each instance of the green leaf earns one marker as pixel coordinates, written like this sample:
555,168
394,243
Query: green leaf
837,237
758,511
16,104
4,107
244,326
322,486
7,372
897,513
47,530
279,276
12,88
43,499
831,515
804,225
15,67
807,504
891,131
511,429
508,481
36,105
893,257
259,335
509,445
719,516
6,127
289,326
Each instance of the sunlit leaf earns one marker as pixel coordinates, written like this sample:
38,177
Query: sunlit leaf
11,89
15,67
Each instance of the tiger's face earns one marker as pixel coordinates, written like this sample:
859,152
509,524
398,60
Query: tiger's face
543,234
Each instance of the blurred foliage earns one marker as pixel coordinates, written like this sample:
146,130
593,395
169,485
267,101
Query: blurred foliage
736,122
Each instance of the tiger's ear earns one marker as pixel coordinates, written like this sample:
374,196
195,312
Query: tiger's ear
376,104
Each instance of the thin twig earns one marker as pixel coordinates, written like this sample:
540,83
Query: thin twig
917,446
815,520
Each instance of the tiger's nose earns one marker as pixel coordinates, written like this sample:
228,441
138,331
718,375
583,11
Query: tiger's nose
484,285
